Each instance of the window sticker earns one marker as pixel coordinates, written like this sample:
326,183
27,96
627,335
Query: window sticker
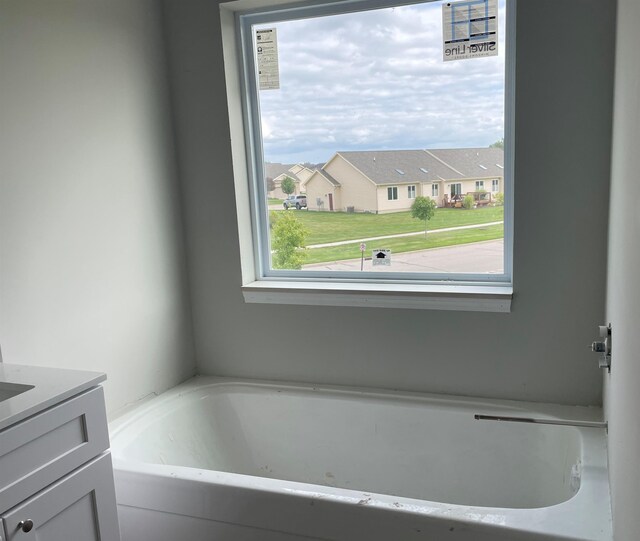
267,56
470,29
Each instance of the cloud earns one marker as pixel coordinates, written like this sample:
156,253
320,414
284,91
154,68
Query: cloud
376,80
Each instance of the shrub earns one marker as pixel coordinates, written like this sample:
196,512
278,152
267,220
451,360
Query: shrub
499,198
287,241
468,202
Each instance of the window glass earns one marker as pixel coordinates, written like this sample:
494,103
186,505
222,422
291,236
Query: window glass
348,103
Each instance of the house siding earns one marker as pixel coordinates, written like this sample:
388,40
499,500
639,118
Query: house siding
426,191
318,190
356,190
402,203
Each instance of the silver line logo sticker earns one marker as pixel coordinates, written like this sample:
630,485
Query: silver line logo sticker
469,29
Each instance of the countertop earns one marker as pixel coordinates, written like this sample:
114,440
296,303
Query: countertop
50,386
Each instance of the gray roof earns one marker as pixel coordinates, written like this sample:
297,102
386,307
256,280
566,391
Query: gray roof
326,175
473,162
274,170
412,166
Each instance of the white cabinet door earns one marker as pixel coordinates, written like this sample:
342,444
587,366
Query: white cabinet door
48,446
80,507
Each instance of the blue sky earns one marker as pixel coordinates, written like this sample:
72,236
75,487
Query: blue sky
376,80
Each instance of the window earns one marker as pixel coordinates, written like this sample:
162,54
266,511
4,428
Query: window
495,185
479,185
343,140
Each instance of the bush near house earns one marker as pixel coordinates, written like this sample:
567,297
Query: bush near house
467,202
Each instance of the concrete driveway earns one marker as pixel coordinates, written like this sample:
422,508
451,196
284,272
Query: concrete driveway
478,257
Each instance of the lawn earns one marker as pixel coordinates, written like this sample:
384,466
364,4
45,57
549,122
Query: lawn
406,244
274,201
337,226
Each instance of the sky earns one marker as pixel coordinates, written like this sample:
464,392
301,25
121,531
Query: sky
376,81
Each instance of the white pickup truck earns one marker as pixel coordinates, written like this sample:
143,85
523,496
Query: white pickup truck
297,201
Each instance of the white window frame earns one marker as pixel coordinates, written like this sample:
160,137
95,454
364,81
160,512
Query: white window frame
447,291
451,189
495,185
392,191
411,191
435,190
479,185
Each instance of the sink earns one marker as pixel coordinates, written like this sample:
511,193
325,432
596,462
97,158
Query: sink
9,390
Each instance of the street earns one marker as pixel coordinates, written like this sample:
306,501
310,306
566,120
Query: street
479,257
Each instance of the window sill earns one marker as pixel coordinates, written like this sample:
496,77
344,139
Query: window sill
464,298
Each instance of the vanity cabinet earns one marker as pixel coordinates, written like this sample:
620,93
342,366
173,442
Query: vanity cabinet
56,480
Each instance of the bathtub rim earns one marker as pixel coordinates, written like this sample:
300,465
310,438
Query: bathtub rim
199,382
593,494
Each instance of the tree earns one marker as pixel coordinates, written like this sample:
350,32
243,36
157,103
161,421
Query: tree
498,144
270,184
423,208
288,185
288,238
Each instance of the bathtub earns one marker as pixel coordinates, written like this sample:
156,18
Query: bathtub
218,459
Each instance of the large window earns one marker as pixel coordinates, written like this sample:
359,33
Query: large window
342,100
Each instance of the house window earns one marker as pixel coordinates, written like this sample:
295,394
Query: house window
495,185
479,185
295,127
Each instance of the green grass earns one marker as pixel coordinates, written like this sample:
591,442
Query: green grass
407,244
274,201
337,226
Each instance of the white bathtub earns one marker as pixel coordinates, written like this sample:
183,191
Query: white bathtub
216,459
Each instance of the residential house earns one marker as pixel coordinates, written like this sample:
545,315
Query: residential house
389,180
299,173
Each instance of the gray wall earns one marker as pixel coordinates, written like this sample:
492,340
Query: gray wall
623,292
92,272
538,352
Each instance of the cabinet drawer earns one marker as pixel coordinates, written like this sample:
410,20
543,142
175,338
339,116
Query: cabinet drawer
47,446
80,507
